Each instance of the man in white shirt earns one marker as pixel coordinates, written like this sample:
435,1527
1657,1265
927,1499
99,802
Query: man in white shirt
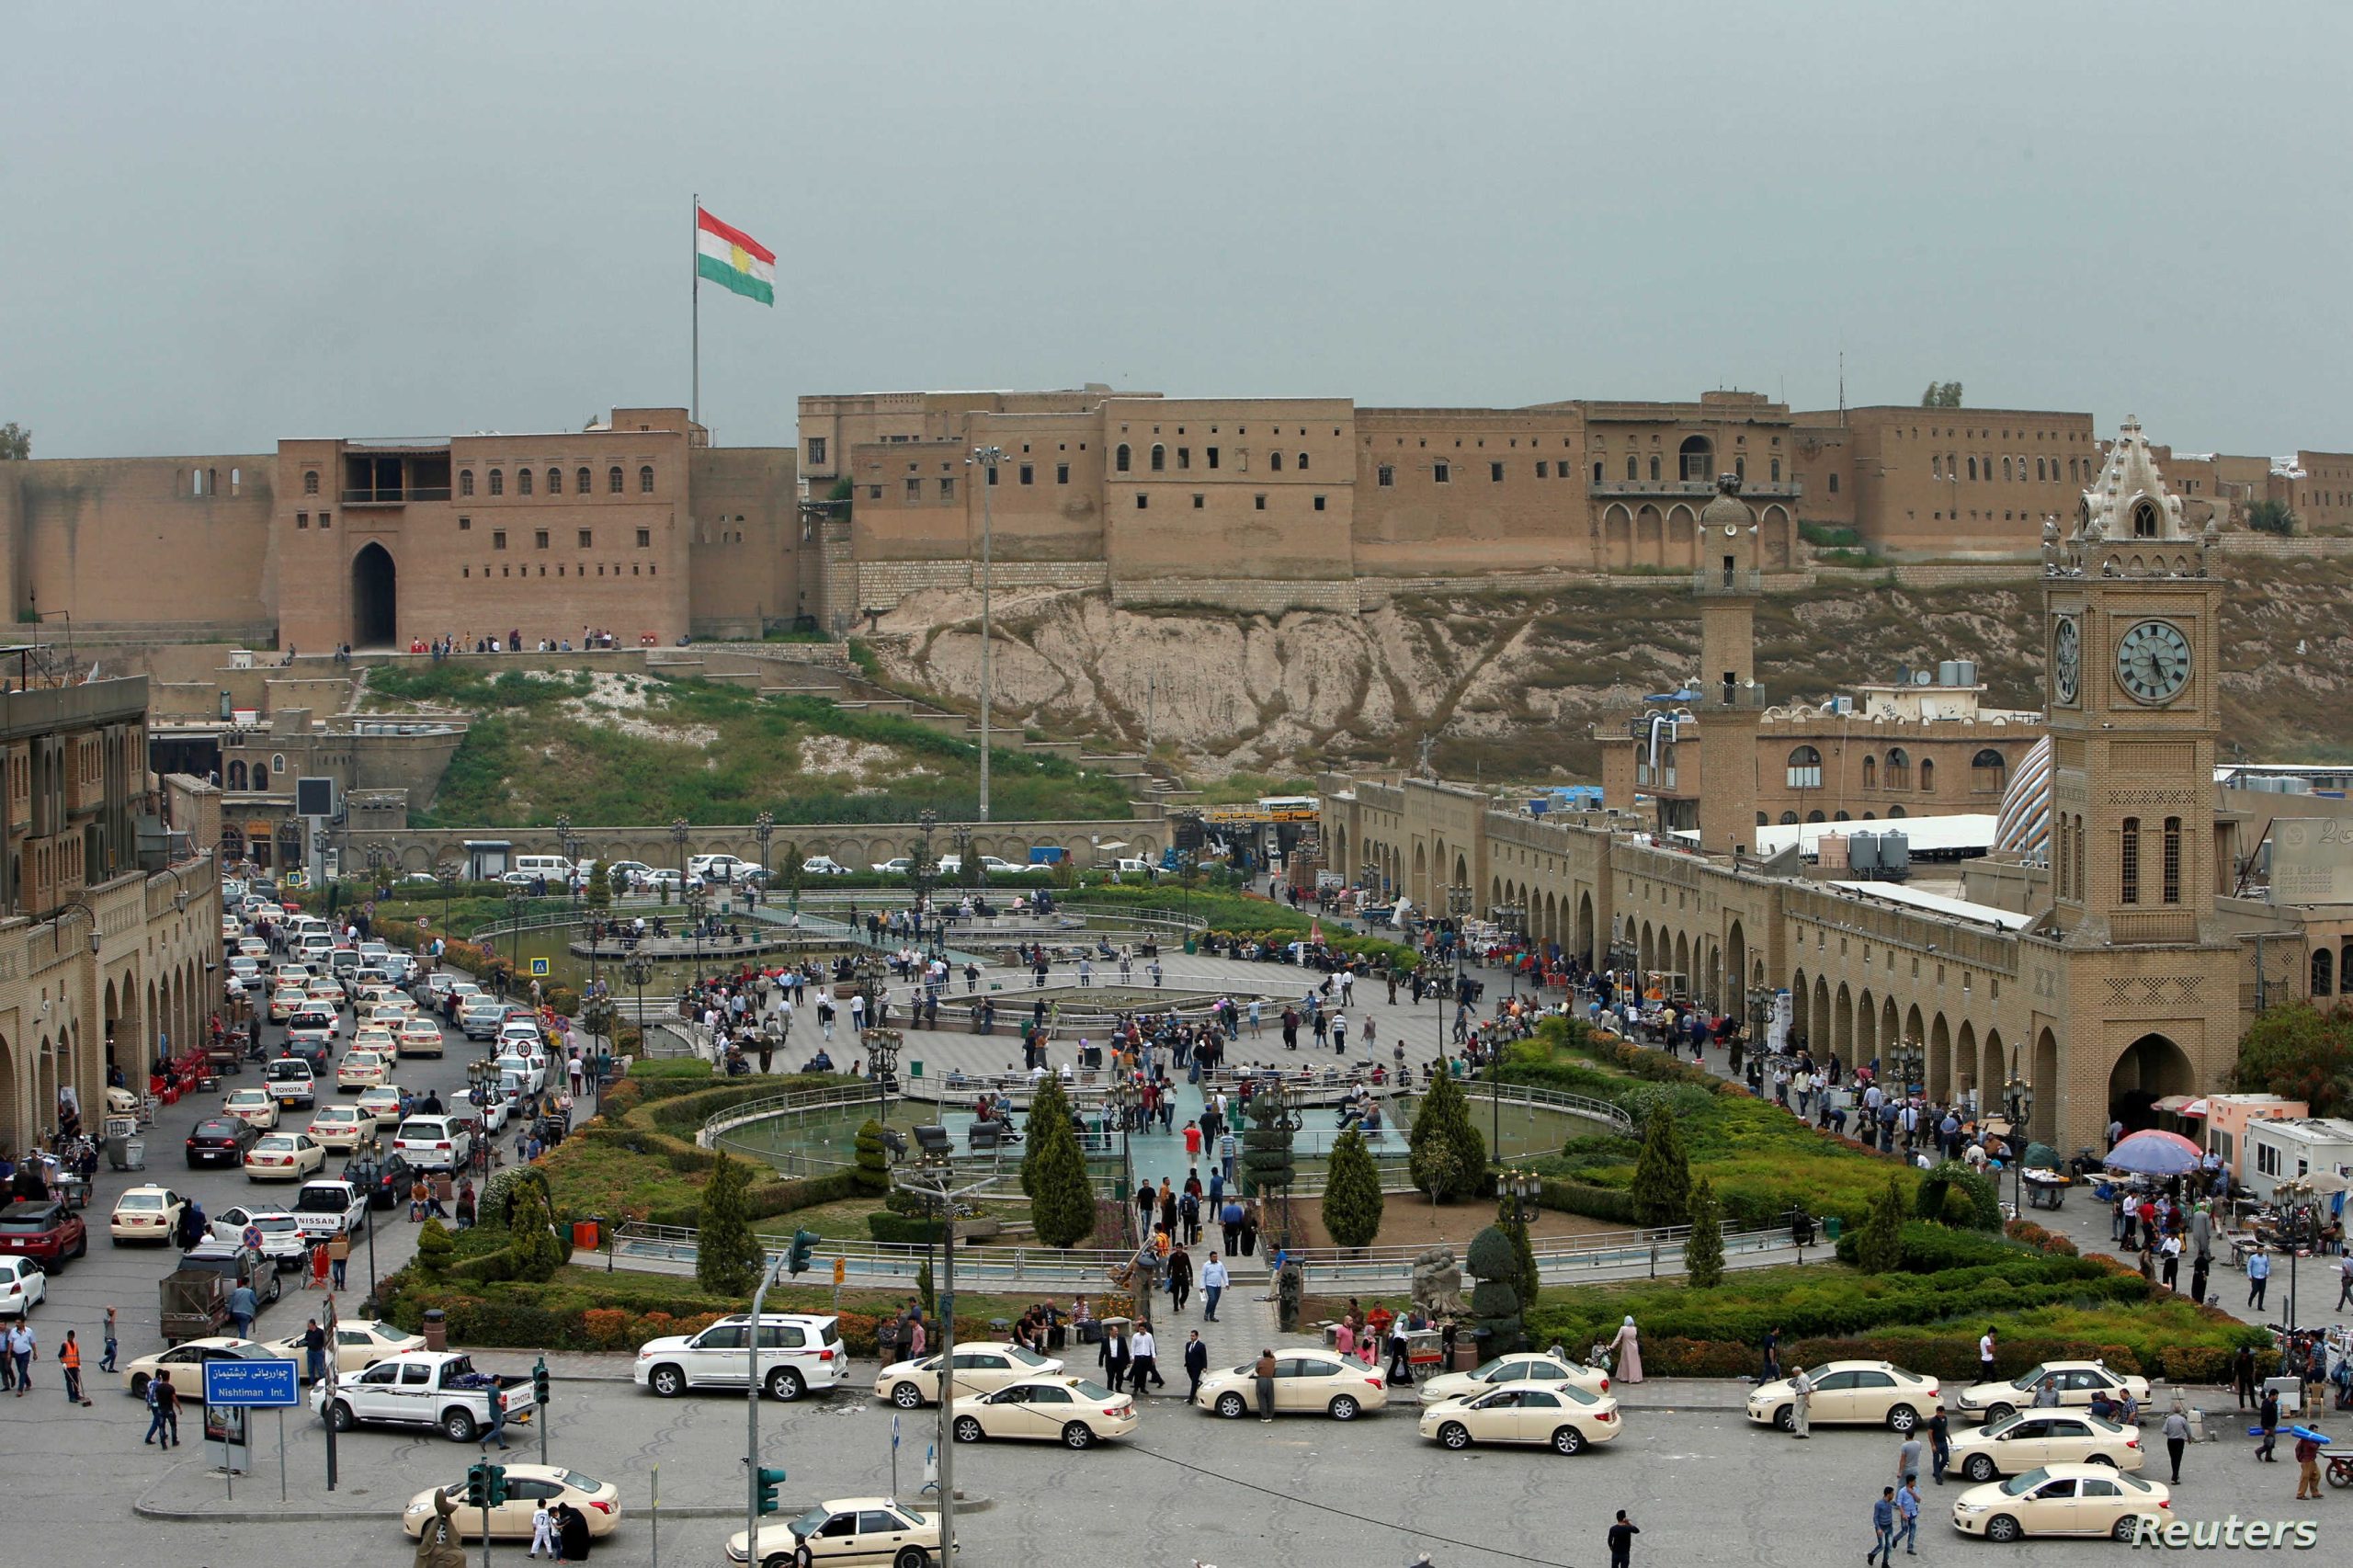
1144,1360
1214,1278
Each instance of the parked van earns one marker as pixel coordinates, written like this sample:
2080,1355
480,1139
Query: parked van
554,869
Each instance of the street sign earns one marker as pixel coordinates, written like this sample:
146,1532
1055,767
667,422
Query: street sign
539,968
252,1238
251,1384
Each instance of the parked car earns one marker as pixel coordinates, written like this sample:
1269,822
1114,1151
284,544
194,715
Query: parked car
2035,1437
529,1486
1308,1380
23,1285
424,1387
49,1233
799,1352
522,1074
1871,1394
824,865
980,1368
1074,1412
1559,1416
221,1141
2077,1380
1519,1368
995,866
897,866
147,1214
358,1344
186,1361
846,1529
2064,1499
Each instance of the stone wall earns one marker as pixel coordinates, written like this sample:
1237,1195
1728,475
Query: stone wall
1255,596
2275,546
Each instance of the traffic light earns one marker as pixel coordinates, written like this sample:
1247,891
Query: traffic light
496,1475
477,1485
804,1243
539,1384
769,1481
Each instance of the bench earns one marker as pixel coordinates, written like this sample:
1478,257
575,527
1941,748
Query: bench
932,1139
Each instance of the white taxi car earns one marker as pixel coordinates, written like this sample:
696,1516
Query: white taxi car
980,1368
259,1106
1308,1380
358,1070
844,1530
2077,1382
2036,1437
2062,1499
1561,1415
1869,1393
1505,1370
359,1344
529,1486
284,1156
344,1127
147,1214
1077,1413
383,1105
419,1037
284,999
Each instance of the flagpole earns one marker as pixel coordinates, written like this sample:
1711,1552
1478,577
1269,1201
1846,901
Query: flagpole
694,261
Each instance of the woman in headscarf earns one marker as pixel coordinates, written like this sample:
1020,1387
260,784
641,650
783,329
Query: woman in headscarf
572,1530
1630,1353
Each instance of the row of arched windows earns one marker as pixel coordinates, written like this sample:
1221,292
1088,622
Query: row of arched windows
1950,466
1804,770
2128,861
1790,819
2330,969
582,481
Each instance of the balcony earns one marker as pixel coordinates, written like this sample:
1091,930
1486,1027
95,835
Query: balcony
395,496
1720,696
1715,581
1697,488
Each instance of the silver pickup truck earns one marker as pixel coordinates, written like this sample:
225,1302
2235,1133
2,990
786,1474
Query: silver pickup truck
424,1387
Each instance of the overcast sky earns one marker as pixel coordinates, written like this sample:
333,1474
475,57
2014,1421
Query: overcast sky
225,224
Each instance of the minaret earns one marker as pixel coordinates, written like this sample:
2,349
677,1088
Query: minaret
1727,585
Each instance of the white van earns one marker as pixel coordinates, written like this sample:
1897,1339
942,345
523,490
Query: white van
554,869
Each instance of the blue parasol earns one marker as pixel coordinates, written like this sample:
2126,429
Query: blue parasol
2151,1153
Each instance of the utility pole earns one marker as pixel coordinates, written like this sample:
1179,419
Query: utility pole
986,458
752,1475
929,1181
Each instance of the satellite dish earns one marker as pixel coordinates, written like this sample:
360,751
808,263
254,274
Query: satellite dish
1923,678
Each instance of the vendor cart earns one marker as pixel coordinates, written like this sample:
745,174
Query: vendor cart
1425,1352
2044,1189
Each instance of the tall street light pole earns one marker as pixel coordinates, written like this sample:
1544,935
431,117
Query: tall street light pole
763,829
930,1180
986,458
1459,906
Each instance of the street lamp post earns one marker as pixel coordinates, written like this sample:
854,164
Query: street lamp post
2017,1093
446,873
571,844
986,457
1122,1096
1458,905
1272,1107
636,971
1522,1188
764,829
930,1180
1512,919
678,830
922,871
882,1065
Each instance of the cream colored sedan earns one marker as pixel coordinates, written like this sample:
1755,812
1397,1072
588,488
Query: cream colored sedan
2062,1499
2077,1382
343,1126
147,1214
1307,1380
1560,1414
980,1368
358,1344
527,1486
255,1106
359,1070
383,1105
284,1156
2035,1437
419,1037
1868,1394
1074,1412
1514,1370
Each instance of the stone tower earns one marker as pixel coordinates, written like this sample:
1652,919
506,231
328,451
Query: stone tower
2131,621
1727,582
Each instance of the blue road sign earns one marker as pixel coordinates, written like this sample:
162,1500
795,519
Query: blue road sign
254,1384
252,1238
540,967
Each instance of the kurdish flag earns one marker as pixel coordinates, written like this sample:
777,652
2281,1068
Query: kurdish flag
732,259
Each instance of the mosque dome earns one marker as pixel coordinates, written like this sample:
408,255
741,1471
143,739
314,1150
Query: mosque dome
2024,823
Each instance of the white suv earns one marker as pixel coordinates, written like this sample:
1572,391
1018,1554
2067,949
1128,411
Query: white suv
799,1352
434,1142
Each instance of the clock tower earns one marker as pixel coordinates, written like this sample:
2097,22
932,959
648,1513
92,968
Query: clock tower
2131,645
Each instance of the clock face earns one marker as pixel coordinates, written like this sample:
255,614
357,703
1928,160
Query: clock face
2153,661
2066,662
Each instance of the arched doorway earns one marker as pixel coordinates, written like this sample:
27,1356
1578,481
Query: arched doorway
373,617
1585,928
2151,1068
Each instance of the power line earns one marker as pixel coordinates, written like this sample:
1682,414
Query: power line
1344,1512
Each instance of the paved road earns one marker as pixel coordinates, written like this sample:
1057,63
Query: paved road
1303,1493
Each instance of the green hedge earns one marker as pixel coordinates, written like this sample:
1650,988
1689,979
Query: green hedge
884,1226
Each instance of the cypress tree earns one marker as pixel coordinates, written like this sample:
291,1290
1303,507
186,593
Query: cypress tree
1526,1281
871,1174
1495,1302
1053,1171
1352,1196
1703,1253
727,1254
1662,1188
1447,1158
1879,1249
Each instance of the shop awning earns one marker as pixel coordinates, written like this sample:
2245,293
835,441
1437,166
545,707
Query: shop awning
2184,1105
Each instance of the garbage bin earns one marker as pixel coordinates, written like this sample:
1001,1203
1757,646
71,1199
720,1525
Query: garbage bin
1831,1228
135,1154
437,1329
117,1151
584,1235
1191,946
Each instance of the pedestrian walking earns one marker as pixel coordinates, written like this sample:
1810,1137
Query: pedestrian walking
1264,1375
1882,1527
339,1256
2267,1419
106,1362
2243,1375
1180,1277
1114,1357
1801,1405
1940,1443
1772,1372
1621,1541
2307,1467
1627,1344
1985,1348
1144,1360
2345,1288
2258,1276
20,1351
163,1407
1213,1283
315,1352
496,1430
68,1358
2177,1439
1907,1515
1197,1364
1907,1460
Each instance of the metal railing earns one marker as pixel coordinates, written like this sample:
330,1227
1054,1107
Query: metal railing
674,1245
1551,1099
1767,489
1716,580
394,495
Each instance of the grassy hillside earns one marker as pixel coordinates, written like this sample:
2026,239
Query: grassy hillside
609,748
